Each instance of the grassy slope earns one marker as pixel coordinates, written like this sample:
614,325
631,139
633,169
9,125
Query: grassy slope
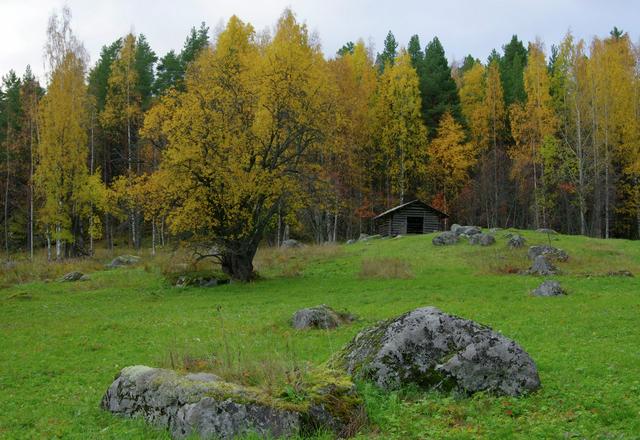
60,349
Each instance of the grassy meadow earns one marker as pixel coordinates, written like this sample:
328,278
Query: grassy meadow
61,344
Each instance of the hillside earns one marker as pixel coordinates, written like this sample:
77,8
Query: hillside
63,343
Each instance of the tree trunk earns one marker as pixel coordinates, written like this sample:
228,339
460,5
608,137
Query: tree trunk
238,264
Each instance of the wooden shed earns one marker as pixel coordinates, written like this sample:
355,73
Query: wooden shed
414,217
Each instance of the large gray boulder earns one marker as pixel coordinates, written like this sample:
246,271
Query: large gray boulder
73,276
482,239
203,405
550,252
320,317
516,241
445,238
124,260
548,288
434,350
542,266
455,227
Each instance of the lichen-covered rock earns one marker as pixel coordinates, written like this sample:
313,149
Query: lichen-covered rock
434,350
516,241
542,266
550,252
494,230
455,227
445,238
351,241
74,276
548,288
320,317
482,239
201,404
546,231
124,260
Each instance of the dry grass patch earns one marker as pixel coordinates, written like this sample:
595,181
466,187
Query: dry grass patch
291,262
386,268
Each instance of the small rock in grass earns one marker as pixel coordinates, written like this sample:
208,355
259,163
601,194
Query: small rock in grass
482,239
445,238
494,230
516,241
320,317
74,276
546,231
351,241
436,351
549,288
542,266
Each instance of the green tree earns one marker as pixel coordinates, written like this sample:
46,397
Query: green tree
389,53
438,88
512,65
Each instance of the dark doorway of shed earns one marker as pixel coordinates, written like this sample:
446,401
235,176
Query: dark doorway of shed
414,225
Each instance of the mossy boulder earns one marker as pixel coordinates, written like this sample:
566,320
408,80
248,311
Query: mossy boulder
434,350
202,404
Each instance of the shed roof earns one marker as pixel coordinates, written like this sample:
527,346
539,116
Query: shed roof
404,205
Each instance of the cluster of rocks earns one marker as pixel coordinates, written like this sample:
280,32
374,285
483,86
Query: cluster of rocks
320,317
473,233
425,347
204,405
465,231
124,260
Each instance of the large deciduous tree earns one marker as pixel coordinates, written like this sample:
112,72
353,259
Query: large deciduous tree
240,134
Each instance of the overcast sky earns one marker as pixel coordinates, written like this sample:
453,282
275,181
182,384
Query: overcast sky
472,26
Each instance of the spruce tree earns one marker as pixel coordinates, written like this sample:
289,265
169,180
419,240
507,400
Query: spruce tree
389,54
512,66
438,88
415,53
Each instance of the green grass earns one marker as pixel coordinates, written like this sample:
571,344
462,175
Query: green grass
62,344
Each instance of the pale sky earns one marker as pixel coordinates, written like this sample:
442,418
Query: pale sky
463,26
